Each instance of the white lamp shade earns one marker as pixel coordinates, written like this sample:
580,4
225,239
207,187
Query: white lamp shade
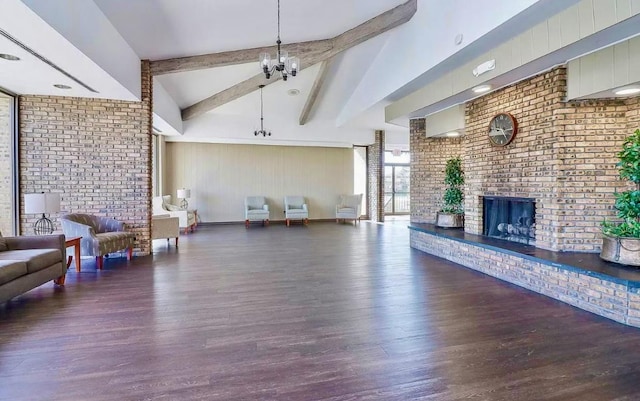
184,193
41,203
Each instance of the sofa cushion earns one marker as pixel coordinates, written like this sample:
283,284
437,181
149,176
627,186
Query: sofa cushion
11,270
3,243
36,259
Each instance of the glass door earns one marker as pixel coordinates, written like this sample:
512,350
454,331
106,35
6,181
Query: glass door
396,189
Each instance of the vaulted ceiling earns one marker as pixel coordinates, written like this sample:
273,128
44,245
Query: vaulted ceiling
97,44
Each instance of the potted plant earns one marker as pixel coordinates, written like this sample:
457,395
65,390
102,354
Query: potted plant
621,241
452,213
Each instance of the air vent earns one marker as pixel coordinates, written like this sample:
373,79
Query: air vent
46,61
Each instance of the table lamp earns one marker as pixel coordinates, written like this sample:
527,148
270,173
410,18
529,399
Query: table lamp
184,194
42,203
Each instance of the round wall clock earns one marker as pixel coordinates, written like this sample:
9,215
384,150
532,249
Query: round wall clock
502,129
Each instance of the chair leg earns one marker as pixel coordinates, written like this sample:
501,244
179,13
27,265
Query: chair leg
99,262
186,230
60,280
306,222
287,220
176,242
267,221
246,223
130,253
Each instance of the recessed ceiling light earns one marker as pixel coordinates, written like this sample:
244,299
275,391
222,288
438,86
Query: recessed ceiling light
9,57
452,134
627,90
293,92
62,86
482,88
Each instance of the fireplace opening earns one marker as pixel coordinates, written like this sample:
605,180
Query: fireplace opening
511,219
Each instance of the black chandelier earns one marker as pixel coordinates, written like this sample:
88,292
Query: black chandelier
261,131
283,63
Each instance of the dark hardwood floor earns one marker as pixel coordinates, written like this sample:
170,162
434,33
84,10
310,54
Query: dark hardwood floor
324,312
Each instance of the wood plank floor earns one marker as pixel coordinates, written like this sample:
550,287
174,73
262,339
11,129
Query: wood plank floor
324,312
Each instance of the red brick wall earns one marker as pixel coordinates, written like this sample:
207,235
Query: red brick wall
96,153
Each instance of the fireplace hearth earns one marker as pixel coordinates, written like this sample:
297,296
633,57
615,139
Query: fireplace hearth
511,219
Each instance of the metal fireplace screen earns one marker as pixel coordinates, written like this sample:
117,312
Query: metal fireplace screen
511,219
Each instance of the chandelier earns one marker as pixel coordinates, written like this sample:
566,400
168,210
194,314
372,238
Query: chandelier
283,63
261,131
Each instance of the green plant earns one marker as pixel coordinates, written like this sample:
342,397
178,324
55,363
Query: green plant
627,202
454,178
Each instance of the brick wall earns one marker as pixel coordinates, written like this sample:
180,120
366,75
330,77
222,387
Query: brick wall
96,153
6,182
564,156
428,159
375,171
590,134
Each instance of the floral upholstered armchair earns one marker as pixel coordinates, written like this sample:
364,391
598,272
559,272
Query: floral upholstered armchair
162,205
100,235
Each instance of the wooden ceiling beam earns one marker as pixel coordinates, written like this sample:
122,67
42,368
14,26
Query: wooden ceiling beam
315,54
315,90
204,61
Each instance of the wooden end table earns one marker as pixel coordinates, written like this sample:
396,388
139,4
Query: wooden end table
74,242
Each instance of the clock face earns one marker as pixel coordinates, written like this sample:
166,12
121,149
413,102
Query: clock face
502,129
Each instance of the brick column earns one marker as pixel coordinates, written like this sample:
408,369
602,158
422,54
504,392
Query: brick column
375,170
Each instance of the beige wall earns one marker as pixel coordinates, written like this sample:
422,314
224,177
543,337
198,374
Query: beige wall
221,175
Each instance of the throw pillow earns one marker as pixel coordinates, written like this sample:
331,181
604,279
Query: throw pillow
172,208
3,243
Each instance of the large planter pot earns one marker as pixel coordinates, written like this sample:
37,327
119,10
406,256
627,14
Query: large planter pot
625,251
449,220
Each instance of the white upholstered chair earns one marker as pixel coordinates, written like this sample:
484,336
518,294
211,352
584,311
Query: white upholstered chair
349,208
256,209
162,205
295,208
165,226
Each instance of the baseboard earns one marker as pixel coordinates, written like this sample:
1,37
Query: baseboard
232,223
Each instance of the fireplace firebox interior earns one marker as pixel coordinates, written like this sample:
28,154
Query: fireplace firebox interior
511,219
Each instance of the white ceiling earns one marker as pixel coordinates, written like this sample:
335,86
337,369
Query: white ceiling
103,35
159,29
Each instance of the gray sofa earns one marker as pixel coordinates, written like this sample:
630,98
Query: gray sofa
29,261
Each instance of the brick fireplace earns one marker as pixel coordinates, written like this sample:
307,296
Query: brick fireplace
563,156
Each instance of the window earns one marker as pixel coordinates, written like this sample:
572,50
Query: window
8,176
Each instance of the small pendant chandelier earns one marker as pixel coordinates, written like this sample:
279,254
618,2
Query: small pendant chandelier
283,63
261,131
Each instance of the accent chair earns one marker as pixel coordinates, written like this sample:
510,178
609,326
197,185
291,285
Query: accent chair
165,226
162,205
100,235
349,208
256,209
295,208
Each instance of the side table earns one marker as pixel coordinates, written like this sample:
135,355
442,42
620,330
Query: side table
75,243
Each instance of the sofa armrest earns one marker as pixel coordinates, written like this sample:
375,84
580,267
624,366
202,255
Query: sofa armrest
265,207
304,207
56,241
